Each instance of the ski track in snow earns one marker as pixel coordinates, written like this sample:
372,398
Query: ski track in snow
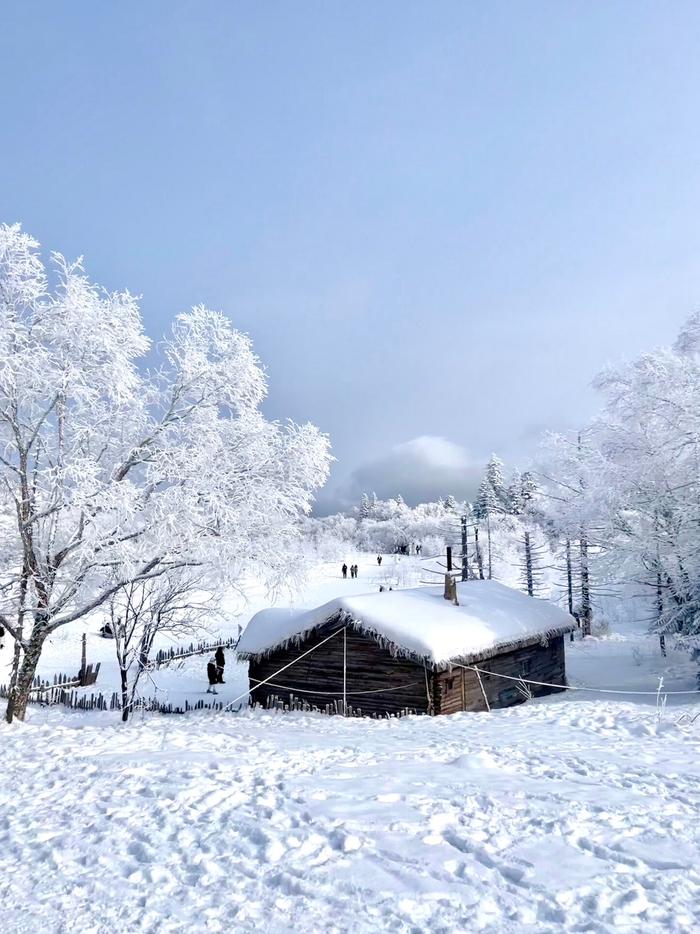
552,816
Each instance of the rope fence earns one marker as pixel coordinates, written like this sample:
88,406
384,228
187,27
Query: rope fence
285,667
574,687
285,687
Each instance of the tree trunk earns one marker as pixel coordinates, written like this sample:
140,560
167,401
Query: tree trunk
479,556
17,653
488,544
16,657
586,610
126,703
528,566
465,550
569,584
17,703
660,612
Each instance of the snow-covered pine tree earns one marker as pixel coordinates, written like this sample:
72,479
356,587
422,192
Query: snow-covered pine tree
515,495
485,504
365,507
528,489
496,480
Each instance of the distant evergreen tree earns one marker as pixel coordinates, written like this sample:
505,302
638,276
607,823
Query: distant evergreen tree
515,495
494,475
485,503
451,504
529,489
365,507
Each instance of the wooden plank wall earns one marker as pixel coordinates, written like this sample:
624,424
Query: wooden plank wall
369,668
459,689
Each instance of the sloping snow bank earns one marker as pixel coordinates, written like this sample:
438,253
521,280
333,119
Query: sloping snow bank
420,621
552,817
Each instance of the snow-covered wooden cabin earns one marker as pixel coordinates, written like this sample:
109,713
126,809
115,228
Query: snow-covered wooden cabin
403,650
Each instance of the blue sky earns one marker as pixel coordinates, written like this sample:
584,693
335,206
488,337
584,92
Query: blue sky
436,220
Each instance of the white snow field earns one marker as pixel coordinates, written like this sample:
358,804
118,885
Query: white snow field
578,812
554,816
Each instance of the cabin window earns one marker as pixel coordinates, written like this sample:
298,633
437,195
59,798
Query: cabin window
450,683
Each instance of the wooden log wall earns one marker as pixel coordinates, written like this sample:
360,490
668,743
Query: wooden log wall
460,690
399,683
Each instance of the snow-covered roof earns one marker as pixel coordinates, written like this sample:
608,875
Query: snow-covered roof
419,622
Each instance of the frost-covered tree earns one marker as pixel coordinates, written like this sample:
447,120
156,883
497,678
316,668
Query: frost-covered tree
112,476
528,489
496,480
485,504
515,502
571,473
172,605
648,436
365,507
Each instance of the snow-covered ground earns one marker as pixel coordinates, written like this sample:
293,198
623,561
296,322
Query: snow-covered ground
554,816
579,812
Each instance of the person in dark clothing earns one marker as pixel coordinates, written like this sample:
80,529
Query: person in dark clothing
379,560
212,675
356,570
220,659
344,569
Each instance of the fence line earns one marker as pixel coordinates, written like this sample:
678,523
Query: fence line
66,695
337,708
166,656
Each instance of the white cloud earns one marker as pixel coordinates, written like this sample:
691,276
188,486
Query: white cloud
421,469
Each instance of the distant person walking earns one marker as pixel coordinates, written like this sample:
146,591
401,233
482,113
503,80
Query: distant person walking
379,560
212,675
344,569
220,660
